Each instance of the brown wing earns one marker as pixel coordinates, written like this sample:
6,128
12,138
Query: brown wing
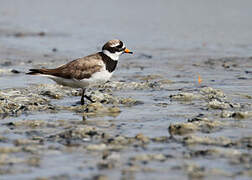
78,69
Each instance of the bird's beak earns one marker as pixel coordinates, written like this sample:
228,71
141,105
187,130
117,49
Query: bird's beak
128,51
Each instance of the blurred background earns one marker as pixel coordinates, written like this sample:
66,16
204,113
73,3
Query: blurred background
77,28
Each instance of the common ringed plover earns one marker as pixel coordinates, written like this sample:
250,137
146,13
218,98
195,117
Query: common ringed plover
87,71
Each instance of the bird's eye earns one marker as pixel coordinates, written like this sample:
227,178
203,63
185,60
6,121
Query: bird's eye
120,45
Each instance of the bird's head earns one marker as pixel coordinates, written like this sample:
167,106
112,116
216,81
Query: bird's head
114,48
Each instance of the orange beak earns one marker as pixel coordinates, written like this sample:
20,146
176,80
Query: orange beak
128,51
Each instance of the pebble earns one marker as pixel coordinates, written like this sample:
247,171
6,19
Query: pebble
236,114
195,125
206,140
96,147
142,138
185,96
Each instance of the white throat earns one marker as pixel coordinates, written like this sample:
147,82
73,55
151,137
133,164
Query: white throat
114,56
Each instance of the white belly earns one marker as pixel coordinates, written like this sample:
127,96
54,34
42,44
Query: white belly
96,79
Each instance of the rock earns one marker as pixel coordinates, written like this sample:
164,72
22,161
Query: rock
163,105
142,138
94,107
214,93
30,123
106,165
56,177
6,159
96,147
100,177
129,101
184,96
215,104
149,157
22,142
79,133
182,128
165,81
226,114
98,108
244,142
121,140
220,141
114,110
218,172
236,114
162,139
51,94
216,152
9,149
142,157
14,102
131,169
113,156
195,124
194,171
102,97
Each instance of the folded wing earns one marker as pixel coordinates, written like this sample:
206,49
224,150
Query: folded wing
81,68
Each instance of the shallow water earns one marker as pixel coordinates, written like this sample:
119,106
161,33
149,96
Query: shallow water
173,40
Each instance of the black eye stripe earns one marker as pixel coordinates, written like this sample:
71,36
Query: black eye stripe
112,49
120,45
118,48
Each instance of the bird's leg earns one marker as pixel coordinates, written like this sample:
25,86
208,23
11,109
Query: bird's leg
82,96
85,96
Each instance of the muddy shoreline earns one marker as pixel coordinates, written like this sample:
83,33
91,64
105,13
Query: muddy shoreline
59,126
153,120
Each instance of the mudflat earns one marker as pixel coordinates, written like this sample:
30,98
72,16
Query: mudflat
153,120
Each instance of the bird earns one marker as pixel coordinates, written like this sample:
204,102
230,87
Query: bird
88,71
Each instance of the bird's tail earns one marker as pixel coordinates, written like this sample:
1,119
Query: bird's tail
37,71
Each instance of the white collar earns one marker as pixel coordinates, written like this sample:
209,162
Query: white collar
113,56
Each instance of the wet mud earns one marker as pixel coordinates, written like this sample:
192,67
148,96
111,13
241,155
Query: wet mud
42,123
153,120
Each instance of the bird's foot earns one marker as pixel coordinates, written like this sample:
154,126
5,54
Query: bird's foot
89,98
